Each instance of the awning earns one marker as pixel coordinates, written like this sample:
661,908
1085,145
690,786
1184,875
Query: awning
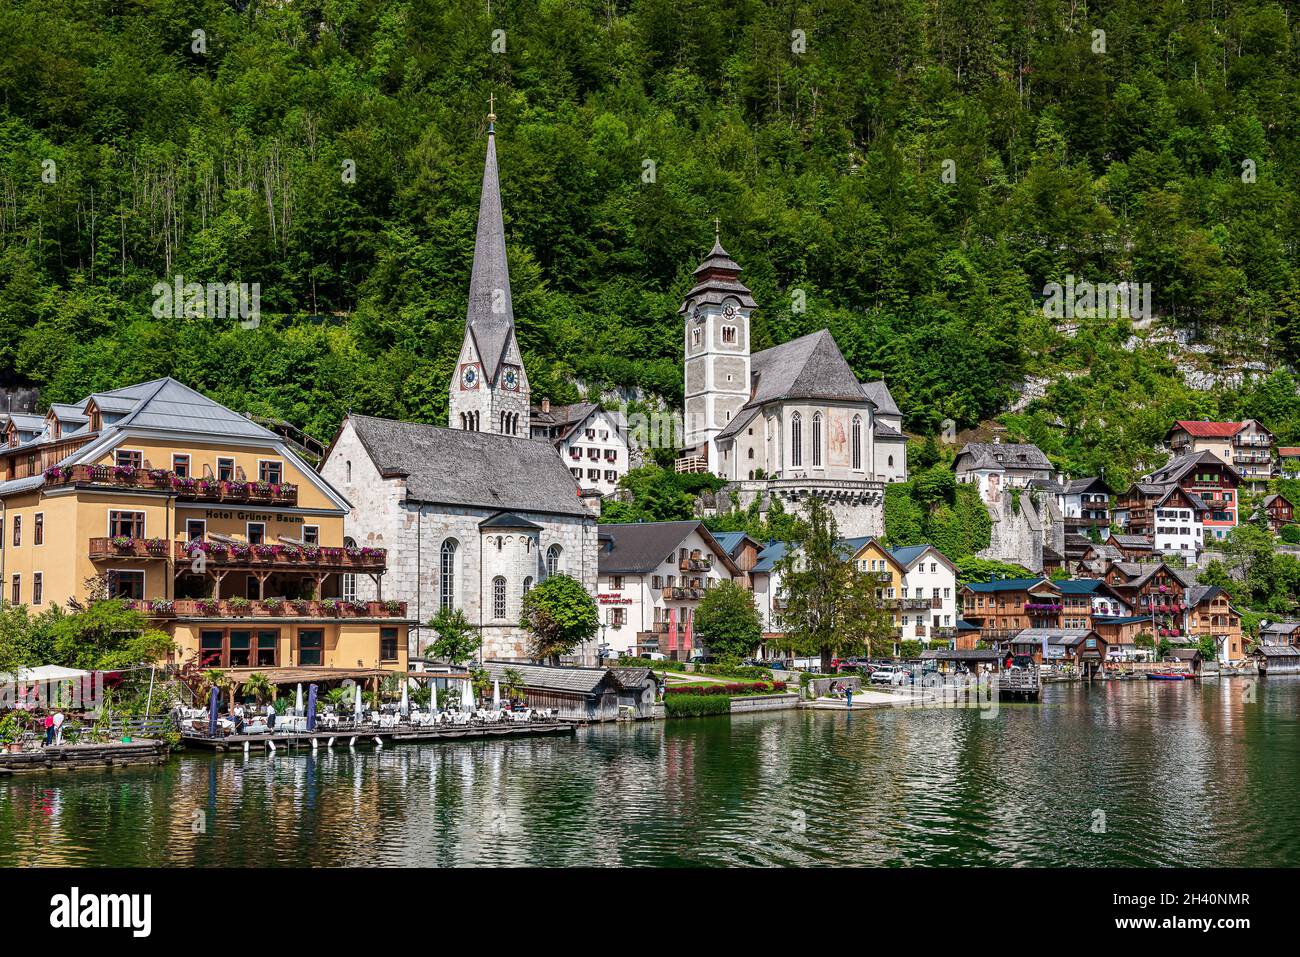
289,676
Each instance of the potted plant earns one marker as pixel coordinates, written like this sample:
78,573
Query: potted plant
122,543
238,605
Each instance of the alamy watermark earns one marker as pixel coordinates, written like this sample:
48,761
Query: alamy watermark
1104,300
208,300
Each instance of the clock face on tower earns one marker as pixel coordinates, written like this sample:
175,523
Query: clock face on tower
511,378
729,310
469,377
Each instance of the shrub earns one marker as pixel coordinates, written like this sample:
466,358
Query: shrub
730,689
694,706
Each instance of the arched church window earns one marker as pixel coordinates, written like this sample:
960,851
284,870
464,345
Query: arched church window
796,439
817,440
856,439
553,560
499,597
891,461
528,584
447,574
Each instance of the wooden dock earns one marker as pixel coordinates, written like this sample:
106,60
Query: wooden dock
61,757
377,737
1026,683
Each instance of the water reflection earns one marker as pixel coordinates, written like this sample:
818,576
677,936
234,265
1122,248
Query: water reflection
1140,773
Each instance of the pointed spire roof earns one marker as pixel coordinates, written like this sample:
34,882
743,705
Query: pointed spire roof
489,281
717,277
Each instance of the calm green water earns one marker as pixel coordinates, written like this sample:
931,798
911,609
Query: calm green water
1185,775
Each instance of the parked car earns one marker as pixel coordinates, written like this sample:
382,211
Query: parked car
891,676
702,659
654,656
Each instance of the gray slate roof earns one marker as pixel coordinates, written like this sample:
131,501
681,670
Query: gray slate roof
879,394
567,417
810,367
1180,465
1002,455
472,469
168,405
1278,651
636,548
545,678
491,329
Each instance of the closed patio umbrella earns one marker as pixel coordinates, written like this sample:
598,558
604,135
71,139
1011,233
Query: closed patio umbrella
433,696
406,698
496,695
297,704
356,702
467,697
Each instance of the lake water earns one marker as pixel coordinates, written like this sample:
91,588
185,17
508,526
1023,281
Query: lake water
1116,773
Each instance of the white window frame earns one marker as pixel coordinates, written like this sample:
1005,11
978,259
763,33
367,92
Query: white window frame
189,462
119,451
279,462
248,530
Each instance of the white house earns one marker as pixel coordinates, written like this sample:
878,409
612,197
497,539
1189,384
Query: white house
652,576
995,466
591,441
929,599
1178,527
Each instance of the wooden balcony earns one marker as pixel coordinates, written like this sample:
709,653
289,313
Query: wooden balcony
695,564
122,547
268,608
283,556
185,488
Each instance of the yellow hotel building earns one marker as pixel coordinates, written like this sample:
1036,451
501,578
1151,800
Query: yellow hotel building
873,559
206,521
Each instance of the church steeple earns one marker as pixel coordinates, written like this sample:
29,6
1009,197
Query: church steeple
490,390
490,315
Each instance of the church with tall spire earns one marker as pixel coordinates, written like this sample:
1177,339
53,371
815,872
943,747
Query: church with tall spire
489,389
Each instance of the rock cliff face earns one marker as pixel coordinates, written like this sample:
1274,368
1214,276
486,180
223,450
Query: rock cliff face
18,399
1023,525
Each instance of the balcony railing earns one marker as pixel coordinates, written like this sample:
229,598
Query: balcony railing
684,593
185,488
695,564
268,608
284,555
124,546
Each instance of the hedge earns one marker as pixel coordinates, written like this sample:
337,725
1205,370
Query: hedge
736,688
693,706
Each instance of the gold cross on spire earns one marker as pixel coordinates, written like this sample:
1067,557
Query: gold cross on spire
717,228
492,111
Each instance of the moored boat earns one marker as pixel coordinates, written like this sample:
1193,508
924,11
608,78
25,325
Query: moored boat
1168,676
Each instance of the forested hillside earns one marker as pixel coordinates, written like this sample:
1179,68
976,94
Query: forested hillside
1167,153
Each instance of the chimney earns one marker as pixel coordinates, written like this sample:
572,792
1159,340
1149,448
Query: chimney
546,406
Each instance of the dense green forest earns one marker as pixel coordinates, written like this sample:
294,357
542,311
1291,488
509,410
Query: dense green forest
1161,150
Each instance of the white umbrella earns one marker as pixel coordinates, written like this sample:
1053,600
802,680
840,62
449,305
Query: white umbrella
433,696
496,695
406,703
297,705
467,696
356,707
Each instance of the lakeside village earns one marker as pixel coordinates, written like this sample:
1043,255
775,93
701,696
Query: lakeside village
190,575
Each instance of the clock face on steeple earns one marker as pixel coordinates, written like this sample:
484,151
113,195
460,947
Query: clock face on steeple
469,377
510,378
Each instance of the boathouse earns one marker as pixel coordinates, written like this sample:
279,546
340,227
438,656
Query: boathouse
1277,659
583,694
